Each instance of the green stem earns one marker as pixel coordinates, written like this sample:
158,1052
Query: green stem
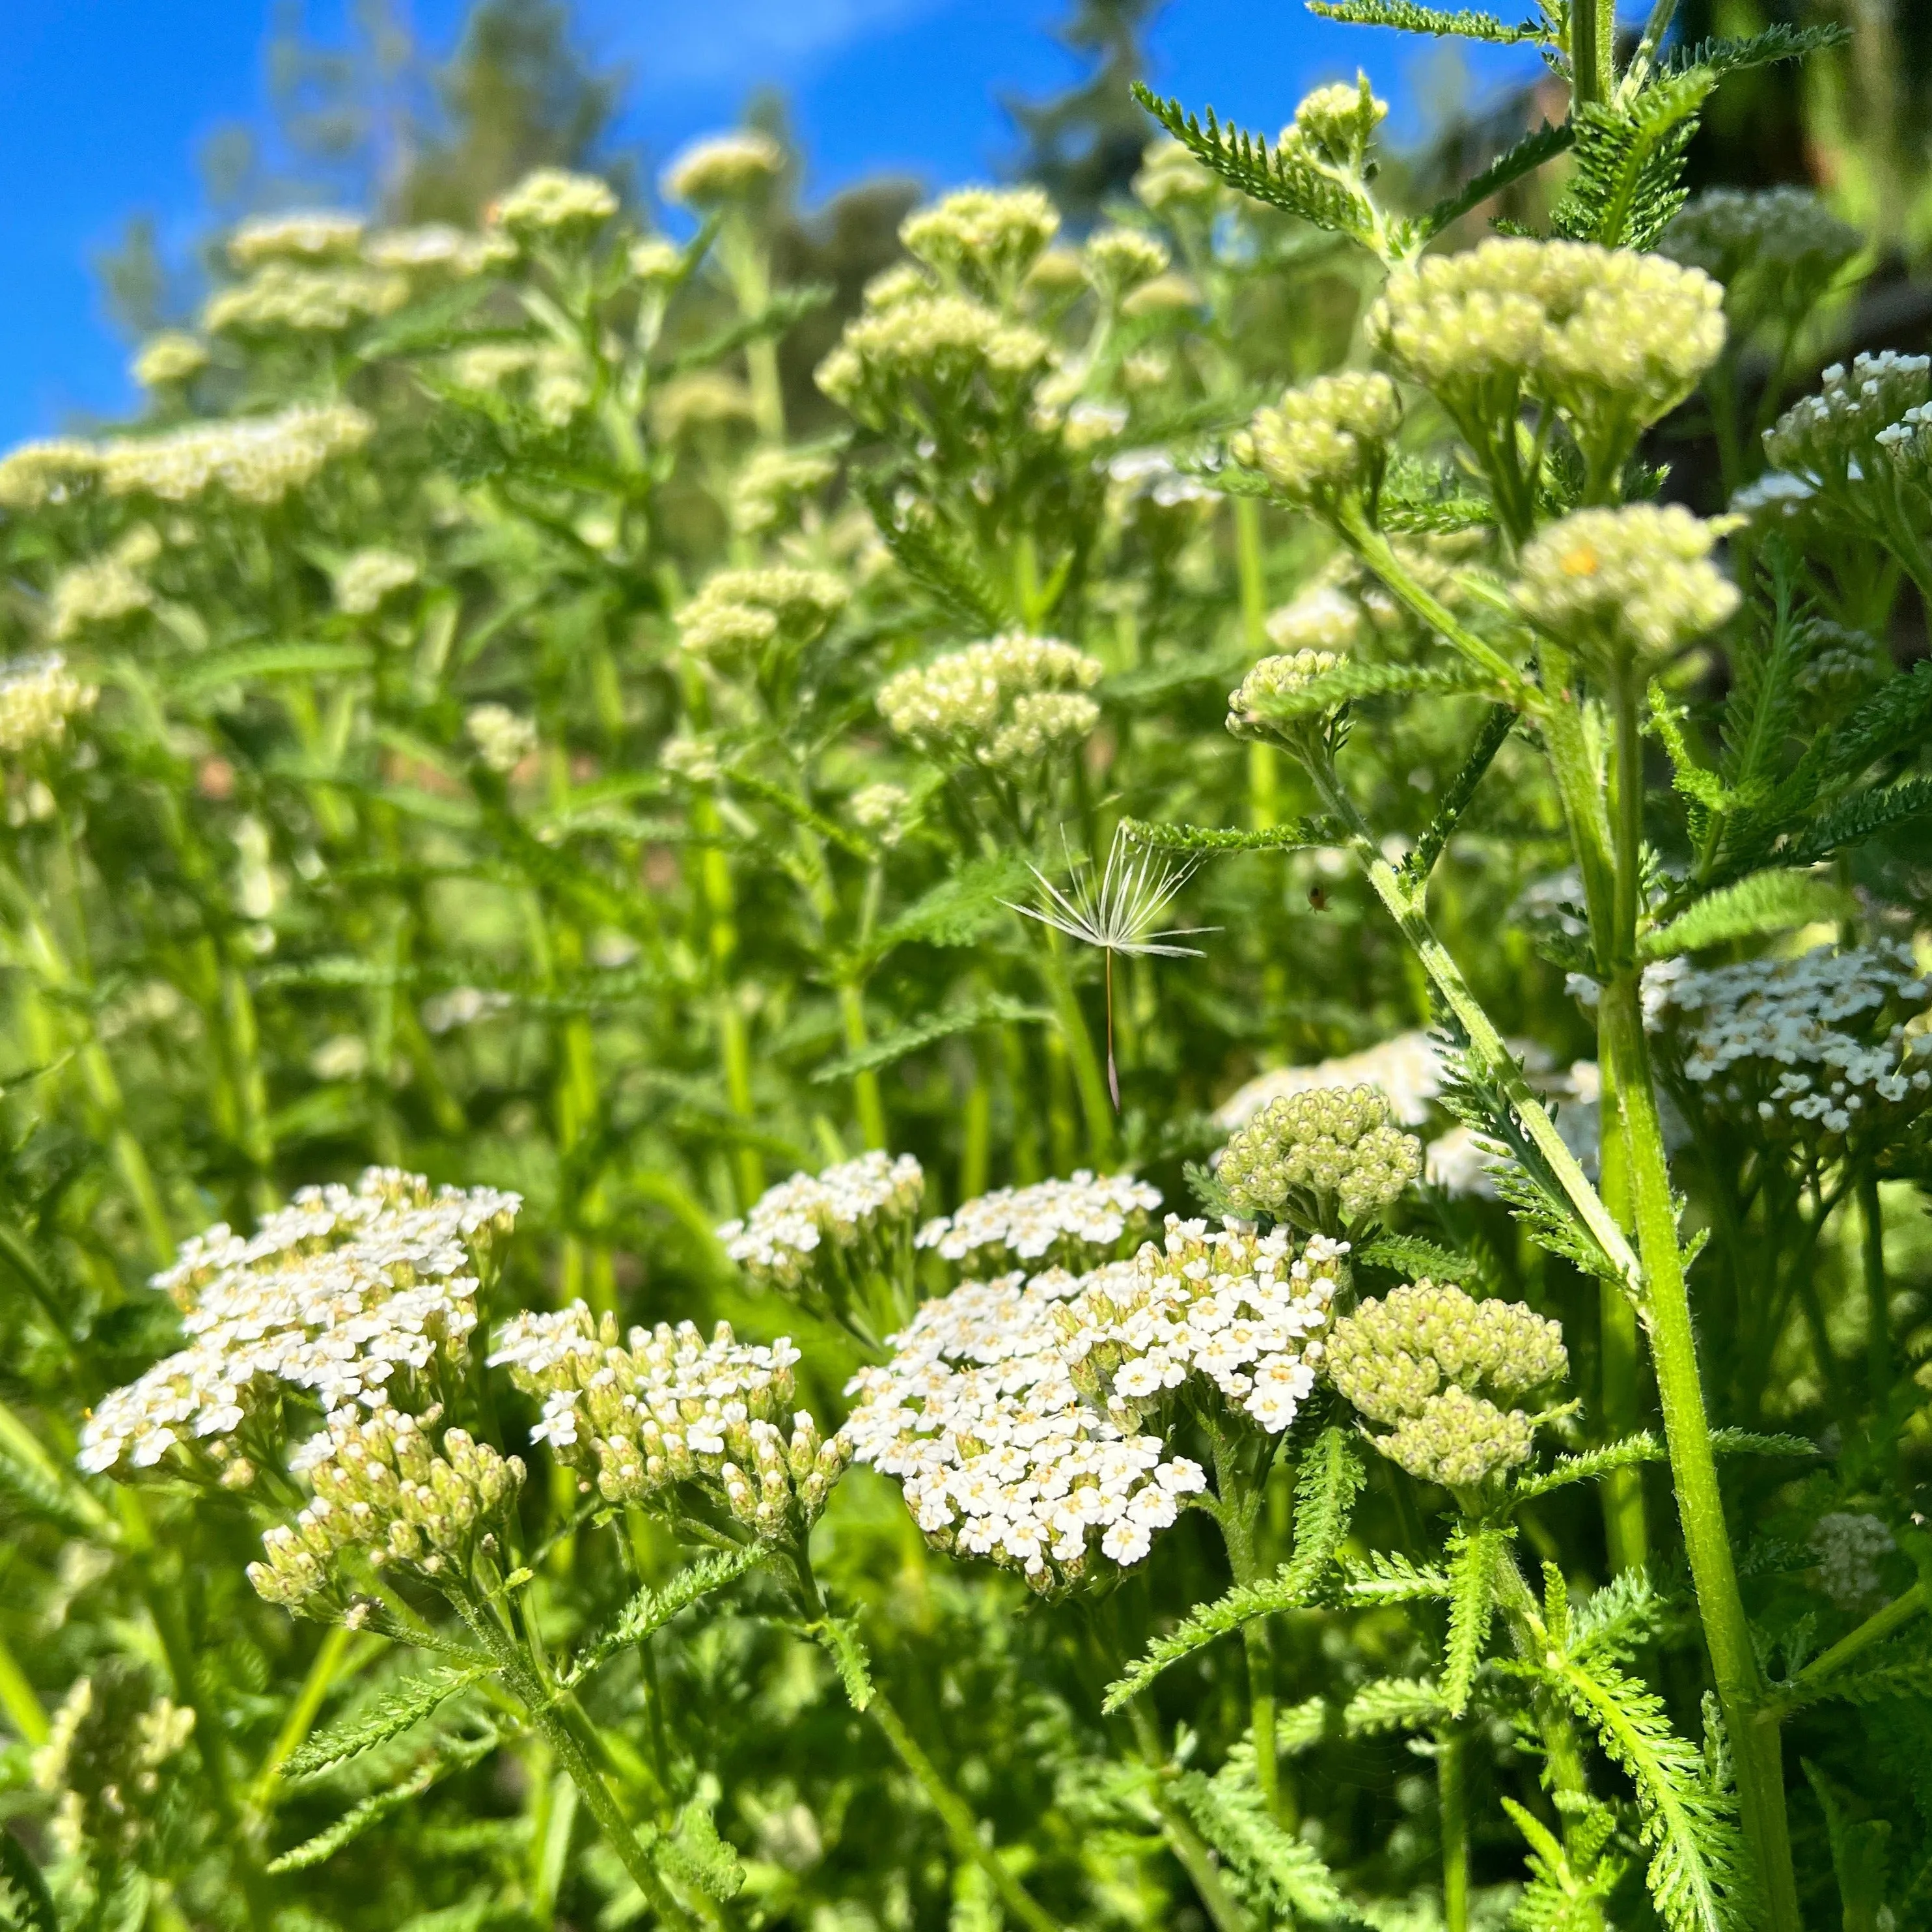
1875,1628
1593,25
17,1698
1186,1844
1694,1466
1238,1512
1878,1312
1087,1076
1404,907
1452,1799
322,1672
865,1094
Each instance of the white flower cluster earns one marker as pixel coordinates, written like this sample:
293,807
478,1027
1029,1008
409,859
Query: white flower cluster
1829,441
1775,250
303,301
503,739
1242,1309
38,697
1009,1412
665,1406
1407,1071
773,483
1005,702
1636,583
553,376
54,470
1071,1221
363,580
436,247
1814,1046
1611,337
807,1224
344,1294
104,591
305,235
553,203
1852,1546
723,168
255,460
1119,259
1320,619
385,1489
883,809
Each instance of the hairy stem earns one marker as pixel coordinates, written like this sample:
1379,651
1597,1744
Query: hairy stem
1452,1799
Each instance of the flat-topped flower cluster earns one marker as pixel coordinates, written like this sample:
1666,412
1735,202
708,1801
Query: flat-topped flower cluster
1821,1045
803,1223
1055,1218
1012,1410
347,1296
665,1406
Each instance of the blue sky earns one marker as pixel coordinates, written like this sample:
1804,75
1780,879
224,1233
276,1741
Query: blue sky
105,105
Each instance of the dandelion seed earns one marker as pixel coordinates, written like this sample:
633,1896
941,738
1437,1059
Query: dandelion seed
1120,912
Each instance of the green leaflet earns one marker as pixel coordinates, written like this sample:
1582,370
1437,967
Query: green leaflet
1628,180
1325,1492
847,1648
651,1609
1394,1704
1410,1256
1696,1868
1302,833
695,1853
1474,1553
24,1897
254,663
1383,1577
1351,680
958,910
374,1809
996,1009
1463,24
1764,902
406,1702
1272,1869
1527,155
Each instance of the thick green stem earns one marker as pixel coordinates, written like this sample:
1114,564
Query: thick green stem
1238,1514
1452,1799
322,1672
1667,1309
865,1094
1593,26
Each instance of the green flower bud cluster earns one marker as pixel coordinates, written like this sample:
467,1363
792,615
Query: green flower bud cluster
307,236
38,697
553,205
931,356
435,249
773,483
885,810
1634,585
365,579
1417,1360
1118,260
740,611
1254,708
1171,180
281,298
982,241
1830,440
103,1759
1328,438
104,591
1325,1159
1334,127
503,739
1611,339
385,1489
171,358
1004,704
665,1407
723,169
1775,250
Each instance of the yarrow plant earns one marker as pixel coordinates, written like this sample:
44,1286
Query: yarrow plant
993,1064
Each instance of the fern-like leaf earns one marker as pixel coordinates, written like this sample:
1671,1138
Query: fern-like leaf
1524,158
1294,837
1628,181
1383,1577
1697,1864
847,1649
405,1703
1394,1704
1853,821
1590,1464
939,562
1274,1869
694,1853
1246,163
24,1897
651,1609
1409,1255
375,1808
1474,1554
1765,902
1464,24
1462,789
995,1010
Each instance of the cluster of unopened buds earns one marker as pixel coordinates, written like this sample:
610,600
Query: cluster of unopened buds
386,1490
740,612
106,1746
1003,703
1327,1158
39,697
1419,1360
640,1415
